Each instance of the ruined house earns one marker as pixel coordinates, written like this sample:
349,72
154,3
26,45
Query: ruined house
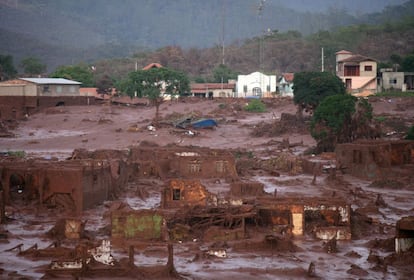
183,162
74,185
369,159
404,239
179,193
324,219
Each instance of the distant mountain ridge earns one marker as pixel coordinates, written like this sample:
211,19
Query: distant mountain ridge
65,32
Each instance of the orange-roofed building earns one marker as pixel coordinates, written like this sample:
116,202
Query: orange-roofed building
285,84
152,65
359,73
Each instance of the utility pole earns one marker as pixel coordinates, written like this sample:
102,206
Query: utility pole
323,66
260,9
223,24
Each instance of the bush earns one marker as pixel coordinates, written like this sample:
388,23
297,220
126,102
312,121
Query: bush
255,105
410,134
19,154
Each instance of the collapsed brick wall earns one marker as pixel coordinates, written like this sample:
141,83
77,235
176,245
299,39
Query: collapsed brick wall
245,189
120,168
183,162
76,185
179,193
369,159
324,219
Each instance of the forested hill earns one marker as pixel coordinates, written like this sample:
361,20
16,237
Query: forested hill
64,32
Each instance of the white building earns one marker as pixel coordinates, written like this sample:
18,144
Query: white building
255,84
401,81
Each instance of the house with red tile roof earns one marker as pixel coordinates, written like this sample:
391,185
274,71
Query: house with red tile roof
285,84
358,72
152,65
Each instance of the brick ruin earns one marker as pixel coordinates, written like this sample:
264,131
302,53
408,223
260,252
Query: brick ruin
404,238
188,209
76,185
371,159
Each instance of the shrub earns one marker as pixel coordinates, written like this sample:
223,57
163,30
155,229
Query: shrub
19,154
255,105
410,134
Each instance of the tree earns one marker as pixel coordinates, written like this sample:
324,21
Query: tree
341,119
410,133
222,74
154,84
7,70
407,64
33,66
104,85
80,73
310,88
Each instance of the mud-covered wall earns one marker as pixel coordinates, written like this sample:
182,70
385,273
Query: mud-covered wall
96,182
371,159
78,184
180,192
275,213
16,107
244,189
183,162
404,239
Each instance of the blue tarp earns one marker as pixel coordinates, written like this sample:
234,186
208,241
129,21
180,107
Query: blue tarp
204,123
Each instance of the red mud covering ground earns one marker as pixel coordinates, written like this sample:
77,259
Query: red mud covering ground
267,147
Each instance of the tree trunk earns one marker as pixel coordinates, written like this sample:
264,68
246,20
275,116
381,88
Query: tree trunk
299,113
157,111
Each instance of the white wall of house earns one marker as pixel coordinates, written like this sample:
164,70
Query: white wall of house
285,87
255,84
392,80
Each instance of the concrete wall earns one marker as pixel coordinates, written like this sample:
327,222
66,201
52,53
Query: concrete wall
58,90
392,80
372,73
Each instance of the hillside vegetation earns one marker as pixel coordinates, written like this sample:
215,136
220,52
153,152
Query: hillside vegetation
281,52
67,32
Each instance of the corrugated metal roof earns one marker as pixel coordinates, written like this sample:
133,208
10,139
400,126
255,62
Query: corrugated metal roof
51,81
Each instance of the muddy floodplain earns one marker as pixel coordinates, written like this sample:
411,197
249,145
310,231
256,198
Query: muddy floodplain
99,194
